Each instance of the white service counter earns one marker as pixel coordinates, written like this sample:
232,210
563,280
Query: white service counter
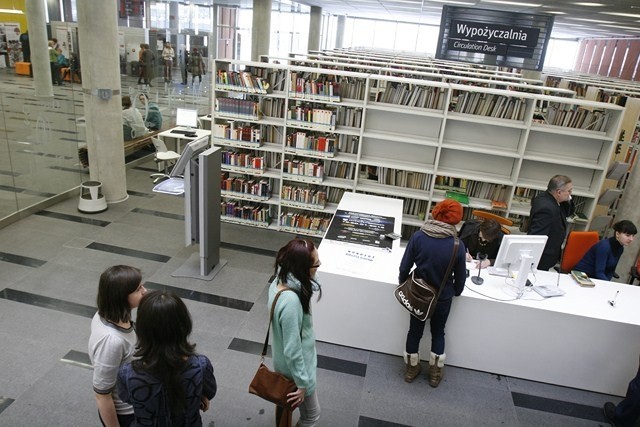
577,340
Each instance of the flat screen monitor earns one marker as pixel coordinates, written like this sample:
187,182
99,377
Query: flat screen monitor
515,247
191,150
520,254
187,118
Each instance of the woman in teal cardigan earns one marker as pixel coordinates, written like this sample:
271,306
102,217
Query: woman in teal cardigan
294,341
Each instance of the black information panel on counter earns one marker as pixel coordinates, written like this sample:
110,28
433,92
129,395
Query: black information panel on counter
361,229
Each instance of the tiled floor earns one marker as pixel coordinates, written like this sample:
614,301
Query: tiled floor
50,263
49,268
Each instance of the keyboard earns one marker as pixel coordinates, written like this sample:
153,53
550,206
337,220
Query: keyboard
497,271
182,132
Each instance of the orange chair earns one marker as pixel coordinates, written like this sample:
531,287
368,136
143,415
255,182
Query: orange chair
578,243
504,222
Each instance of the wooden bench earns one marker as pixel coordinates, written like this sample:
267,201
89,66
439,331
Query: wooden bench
130,147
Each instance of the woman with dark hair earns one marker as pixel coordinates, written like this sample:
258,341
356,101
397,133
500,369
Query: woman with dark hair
168,383
430,249
601,259
294,341
482,240
113,338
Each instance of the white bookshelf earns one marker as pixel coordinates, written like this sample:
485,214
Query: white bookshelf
493,147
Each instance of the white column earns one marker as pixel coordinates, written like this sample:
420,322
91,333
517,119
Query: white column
628,209
340,31
261,29
98,33
315,24
39,49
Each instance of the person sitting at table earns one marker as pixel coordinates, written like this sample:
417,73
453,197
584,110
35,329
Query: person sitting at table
482,240
153,116
601,259
627,412
132,118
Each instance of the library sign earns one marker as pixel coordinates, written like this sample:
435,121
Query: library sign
493,39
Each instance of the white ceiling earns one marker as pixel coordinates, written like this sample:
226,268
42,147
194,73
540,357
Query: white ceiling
573,18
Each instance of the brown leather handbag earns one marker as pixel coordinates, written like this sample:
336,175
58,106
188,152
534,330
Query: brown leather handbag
267,384
418,296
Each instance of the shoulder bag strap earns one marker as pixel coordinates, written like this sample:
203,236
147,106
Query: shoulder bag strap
273,307
456,243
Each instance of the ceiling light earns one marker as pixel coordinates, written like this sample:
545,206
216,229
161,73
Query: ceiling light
588,4
598,21
466,3
628,15
555,12
512,3
12,11
622,26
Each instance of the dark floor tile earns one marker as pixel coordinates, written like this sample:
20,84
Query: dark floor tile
559,407
41,154
324,362
9,173
25,191
72,170
139,194
250,249
73,218
233,303
341,365
47,302
372,422
77,358
246,346
158,213
145,169
128,252
5,402
21,260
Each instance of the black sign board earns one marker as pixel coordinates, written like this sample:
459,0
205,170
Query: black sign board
494,37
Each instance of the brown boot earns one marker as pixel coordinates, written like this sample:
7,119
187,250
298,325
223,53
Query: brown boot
436,367
413,368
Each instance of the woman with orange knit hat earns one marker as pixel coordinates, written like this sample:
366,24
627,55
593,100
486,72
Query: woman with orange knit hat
430,250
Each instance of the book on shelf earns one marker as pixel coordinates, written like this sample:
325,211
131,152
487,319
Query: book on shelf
498,204
460,197
582,279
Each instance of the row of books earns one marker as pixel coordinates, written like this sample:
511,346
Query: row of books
304,221
412,96
341,170
611,98
485,190
303,167
301,88
242,159
334,194
240,108
349,116
524,195
450,183
240,133
241,81
306,113
273,107
571,116
307,195
244,210
415,207
304,141
403,178
252,186
348,143
490,105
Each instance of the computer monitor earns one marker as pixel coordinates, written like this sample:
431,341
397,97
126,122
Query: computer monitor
187,118
191,150
520,254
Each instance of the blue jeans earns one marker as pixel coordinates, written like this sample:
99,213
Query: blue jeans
437,323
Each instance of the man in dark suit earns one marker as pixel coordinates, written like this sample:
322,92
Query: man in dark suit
549,212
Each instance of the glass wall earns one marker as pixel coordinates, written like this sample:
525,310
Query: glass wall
38,143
